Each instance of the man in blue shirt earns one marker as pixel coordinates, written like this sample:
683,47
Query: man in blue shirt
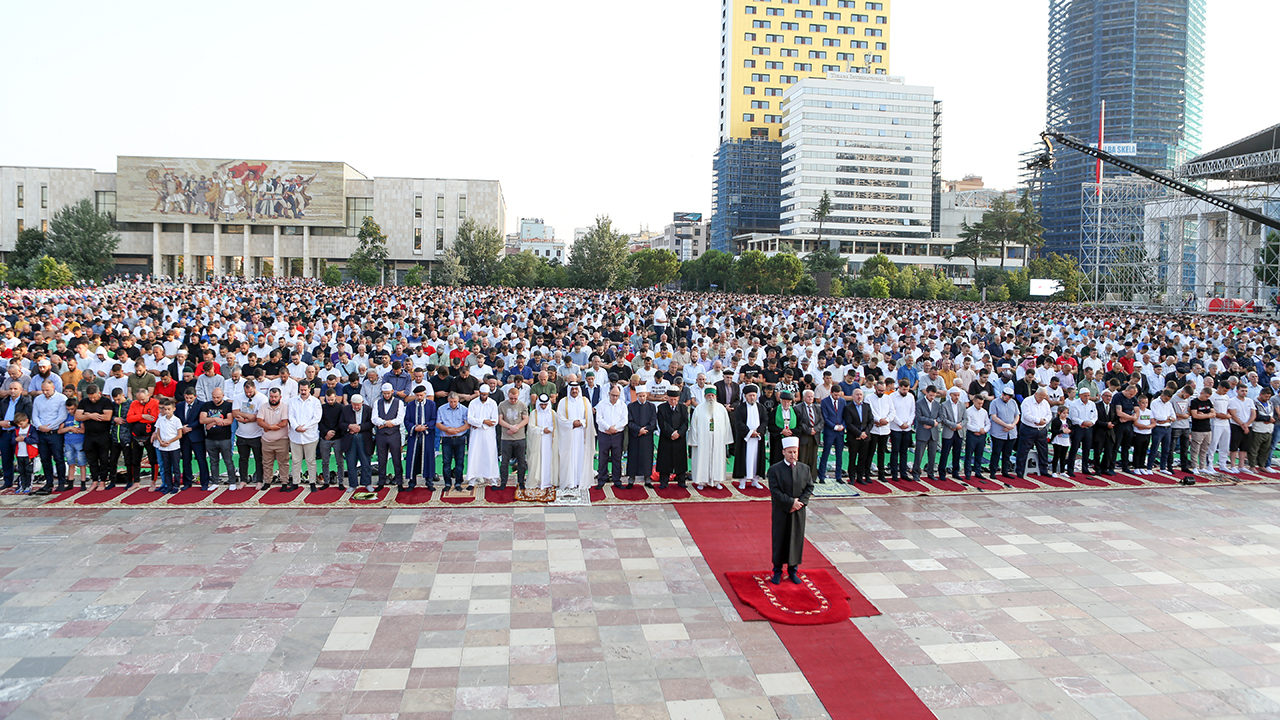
451,423
49,412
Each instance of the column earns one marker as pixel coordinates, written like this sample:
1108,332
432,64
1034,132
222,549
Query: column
306,251
244,263
156,270
275,253
217,250
188,271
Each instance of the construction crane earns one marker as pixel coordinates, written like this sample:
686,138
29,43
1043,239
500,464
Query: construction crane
1045,161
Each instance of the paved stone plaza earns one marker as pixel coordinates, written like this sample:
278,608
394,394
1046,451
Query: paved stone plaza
1113,604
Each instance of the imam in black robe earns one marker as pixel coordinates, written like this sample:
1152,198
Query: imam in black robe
739,420
640,415
787,484
673,455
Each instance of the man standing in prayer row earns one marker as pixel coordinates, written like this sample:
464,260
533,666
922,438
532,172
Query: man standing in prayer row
575,439
709,436
749,455
482,452
540,433
673,448
790,487
642,423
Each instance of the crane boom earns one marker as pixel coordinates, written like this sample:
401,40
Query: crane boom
1046,161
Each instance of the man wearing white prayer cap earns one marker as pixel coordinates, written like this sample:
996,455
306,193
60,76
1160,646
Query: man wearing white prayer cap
791,486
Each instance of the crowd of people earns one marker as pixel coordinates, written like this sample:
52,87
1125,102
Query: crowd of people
261,383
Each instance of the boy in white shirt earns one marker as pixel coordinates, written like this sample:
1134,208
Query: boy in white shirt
166,437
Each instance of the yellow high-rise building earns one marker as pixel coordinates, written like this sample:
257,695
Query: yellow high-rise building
766,45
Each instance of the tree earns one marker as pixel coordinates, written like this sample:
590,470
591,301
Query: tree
749,270
480,251
825,260
367,262
84,239
1268,268
332,276
878,265
807,287
713,268
1061,268
413,278
599,259
820,215
974,243
783,271
520,270
31,244
903,285
448,271
879,287
1029,233
47,272
655,267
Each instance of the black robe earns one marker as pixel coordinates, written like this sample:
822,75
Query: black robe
739,420
673,455
787,484
640,447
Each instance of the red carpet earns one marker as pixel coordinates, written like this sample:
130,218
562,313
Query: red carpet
187,497
1019,483
635,493
98,496
1090,480
140,496
672,492
500,496
908,486
596,494
416,496
457,498
1053,481
947,485
715,494
64,495
875,488
846,671
755,492
1165,479
984,484
1123,479
275,497
235,497
818,600
380,496
323,497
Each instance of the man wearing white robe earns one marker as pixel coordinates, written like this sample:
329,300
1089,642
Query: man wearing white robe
709,433
482,449
575,439
544,461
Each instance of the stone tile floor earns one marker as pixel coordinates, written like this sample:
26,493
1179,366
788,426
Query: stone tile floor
1118,604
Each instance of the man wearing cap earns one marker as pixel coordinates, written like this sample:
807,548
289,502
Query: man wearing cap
1082,414
749,431
388,419
357,439
642,423
1005,415
482,448
420,426
709,435
790,487
611,422
951,419
673,449
575,438
784,423
540,434
44,371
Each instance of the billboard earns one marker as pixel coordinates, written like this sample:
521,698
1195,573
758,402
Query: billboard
260,192
1045,288
686,217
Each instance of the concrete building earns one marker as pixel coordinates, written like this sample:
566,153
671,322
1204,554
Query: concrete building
196,217
537,237
536,229
686,236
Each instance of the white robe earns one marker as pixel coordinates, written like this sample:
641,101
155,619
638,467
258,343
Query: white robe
544,461
576,446
752,444
709,453
482,447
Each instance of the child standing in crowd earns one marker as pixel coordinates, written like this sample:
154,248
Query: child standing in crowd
72,432
1142,427
167,441
1060,431
26,448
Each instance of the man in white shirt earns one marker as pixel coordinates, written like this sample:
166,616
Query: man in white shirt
900,429
1082,414
977,426
304,432
1033,431
1161,452
611,426
882,423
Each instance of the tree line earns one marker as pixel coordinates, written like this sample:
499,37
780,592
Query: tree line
80,245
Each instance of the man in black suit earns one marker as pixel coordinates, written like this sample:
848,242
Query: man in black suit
728,392
357,440
14,400
790,487
749,424
1104,438
858,422
188,413
673,450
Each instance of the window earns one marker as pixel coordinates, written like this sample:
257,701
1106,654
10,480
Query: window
804,13
882,46
830,42
847,3
859,18
777,119
750,10
773,38
439,206
558,251
777,92
748,90
759,77
847,57
104,201
417,206
875,6
860,44
748,63
789,53
749,37
462,207
830,16
813,27
882,20
880,71
357,210
21,196
844,30
830,68
877,58
748,117
773,65
804,67
818,54
774,11
804,40
440,239
819,3
759,51
759,104
44,226
788,79
44,196
874,32
760,23
417,240
790,26
19,227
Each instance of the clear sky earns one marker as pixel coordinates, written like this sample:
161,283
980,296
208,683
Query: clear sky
579,107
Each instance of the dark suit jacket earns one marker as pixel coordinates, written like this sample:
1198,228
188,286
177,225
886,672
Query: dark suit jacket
832,413
928,412
366,426
722,394
855,426
24,406
789,484
806,425
672,420
190,417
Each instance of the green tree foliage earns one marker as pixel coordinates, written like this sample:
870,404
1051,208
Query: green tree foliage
552,274
600,258
332,275
655,267
807,287
903,285
1029,233
83,239
480,252
366,263
878,287
975,244
47,272
521,270
878,266
749,271
783,271
448,271
825,260
413,278
31,244
712,268
1061,268
820,215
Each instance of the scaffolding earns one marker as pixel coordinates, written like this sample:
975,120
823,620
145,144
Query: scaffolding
1151,248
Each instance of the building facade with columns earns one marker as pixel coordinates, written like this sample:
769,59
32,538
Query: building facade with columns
195,217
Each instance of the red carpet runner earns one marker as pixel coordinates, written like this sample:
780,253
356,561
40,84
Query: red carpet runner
846,671
817,600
